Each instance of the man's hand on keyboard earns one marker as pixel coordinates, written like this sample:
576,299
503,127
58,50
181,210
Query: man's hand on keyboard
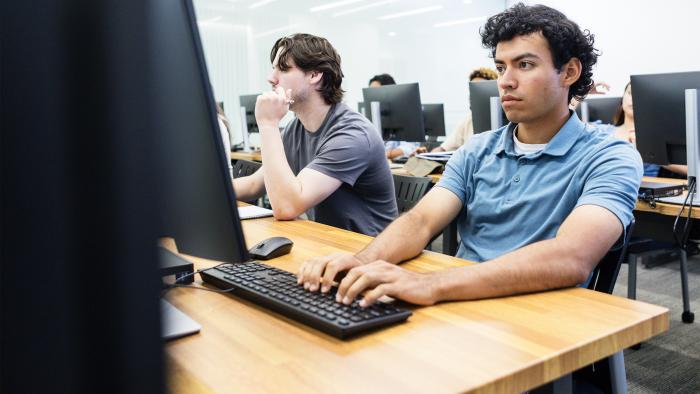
381,278
322,270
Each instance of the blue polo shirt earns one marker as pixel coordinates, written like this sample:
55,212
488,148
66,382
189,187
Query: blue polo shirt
514,200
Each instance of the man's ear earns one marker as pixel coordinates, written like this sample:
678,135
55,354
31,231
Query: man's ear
315,77
571,72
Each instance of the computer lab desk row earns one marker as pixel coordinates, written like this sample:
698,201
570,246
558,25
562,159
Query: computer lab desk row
509,344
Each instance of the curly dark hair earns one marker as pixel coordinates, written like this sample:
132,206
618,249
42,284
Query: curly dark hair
312,53
566,40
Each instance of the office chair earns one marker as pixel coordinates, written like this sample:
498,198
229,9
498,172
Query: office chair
244,168
607,375
409,190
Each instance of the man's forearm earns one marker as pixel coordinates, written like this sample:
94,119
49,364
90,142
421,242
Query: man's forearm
540,266
247,189
283,187
391,244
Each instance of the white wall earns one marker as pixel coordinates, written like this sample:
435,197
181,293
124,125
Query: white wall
634,38
440,59
637,37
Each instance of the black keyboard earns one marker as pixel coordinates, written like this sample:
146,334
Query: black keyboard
278,290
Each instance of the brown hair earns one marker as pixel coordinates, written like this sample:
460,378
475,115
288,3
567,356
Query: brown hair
222,116
483,72
312,53
619,117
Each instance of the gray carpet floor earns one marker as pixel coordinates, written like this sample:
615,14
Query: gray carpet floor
670,362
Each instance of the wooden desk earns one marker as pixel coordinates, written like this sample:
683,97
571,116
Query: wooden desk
510,344
251,156
400,171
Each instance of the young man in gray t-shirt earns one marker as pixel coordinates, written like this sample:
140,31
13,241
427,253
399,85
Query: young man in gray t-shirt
329,161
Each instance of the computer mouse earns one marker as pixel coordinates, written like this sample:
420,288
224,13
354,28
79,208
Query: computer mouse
271,248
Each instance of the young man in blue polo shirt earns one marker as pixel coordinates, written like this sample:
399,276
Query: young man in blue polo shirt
542,199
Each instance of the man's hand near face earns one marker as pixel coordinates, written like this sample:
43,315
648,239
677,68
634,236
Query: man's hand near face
271,107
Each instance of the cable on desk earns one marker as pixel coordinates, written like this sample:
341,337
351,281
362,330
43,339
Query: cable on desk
168,286
174,285
683,242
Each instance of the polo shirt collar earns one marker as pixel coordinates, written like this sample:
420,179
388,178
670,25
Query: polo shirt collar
559,145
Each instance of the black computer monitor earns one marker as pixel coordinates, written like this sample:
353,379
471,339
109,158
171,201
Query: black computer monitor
199,206
598,109
248,102
401,111
434,119
79,277
480,93
659,115
364,110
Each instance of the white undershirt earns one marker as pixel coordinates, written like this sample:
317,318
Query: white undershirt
523,148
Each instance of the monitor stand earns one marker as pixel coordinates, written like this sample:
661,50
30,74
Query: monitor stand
174,323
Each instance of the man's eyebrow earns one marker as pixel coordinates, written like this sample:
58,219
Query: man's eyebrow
519,57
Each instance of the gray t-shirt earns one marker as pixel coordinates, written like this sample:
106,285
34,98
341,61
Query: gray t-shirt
346,147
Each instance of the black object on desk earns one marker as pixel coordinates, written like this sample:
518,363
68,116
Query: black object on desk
278,290
271,248
172,264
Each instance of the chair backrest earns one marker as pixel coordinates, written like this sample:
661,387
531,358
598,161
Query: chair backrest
605,273
409,190
244,168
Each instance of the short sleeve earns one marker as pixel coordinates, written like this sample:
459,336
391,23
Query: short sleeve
343,156
456,176
613,181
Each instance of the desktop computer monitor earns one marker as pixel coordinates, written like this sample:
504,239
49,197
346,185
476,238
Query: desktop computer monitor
659,115
480,94
198,202
364,110
434,119
79,276
401,114
600,109
248,104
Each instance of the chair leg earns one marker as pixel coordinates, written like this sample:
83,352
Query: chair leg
618,377
632,276
687,316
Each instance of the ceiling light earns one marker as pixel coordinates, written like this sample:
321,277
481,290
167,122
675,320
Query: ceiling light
460,21
467,1
333,5
411,12
364,7
260,3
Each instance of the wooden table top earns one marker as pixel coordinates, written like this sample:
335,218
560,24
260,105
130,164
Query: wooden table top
508,344
251,156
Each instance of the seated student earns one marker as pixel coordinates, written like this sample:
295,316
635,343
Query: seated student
623,128
546,196
329,161
395,149
465,130
225,134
